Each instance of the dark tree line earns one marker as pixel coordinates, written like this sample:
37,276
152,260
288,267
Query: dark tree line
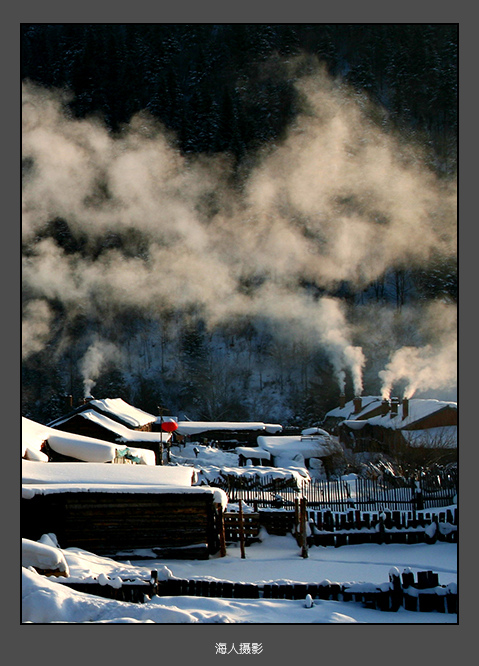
209,83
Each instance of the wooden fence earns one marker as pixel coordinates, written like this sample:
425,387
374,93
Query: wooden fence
313,527
340,495
424,594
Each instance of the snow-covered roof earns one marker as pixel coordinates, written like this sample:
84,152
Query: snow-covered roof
98,473
54,478
116,408
123,433
197,427
368,403
40,479
81,447
315,431
288,446
419,408
253,452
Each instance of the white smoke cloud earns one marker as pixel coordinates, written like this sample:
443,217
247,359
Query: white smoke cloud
36,323
340,199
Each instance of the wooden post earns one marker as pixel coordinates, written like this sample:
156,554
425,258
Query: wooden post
396,594
297,529
241,529
221,527
304,536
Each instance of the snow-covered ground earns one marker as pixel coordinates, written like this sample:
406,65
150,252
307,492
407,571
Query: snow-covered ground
277,559
274,559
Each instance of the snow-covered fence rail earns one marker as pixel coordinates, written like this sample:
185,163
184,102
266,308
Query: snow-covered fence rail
340,495
375,494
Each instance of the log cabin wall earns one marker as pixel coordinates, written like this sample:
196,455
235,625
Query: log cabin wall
107,523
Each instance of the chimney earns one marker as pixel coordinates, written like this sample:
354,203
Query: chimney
68,402
394,407
405,408
384,407
358,404
342,401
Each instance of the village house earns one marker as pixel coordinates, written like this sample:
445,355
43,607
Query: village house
43,443
115,409
377,425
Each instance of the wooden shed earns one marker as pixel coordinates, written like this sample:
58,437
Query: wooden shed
123,511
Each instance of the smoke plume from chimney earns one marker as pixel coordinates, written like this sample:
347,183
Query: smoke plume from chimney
98,354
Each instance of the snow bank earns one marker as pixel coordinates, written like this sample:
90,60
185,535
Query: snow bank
275,559
46,601
43,556
34,454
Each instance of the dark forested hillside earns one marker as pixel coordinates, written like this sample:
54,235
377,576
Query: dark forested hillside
177,177
228,87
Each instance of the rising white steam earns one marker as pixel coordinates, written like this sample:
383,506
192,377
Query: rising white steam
340,199
97,356
422,368
429,367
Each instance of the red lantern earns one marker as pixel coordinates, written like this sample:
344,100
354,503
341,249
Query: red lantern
169,426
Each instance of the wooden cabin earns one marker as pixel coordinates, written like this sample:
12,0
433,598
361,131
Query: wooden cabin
102,427
390,426
123,511
115,409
